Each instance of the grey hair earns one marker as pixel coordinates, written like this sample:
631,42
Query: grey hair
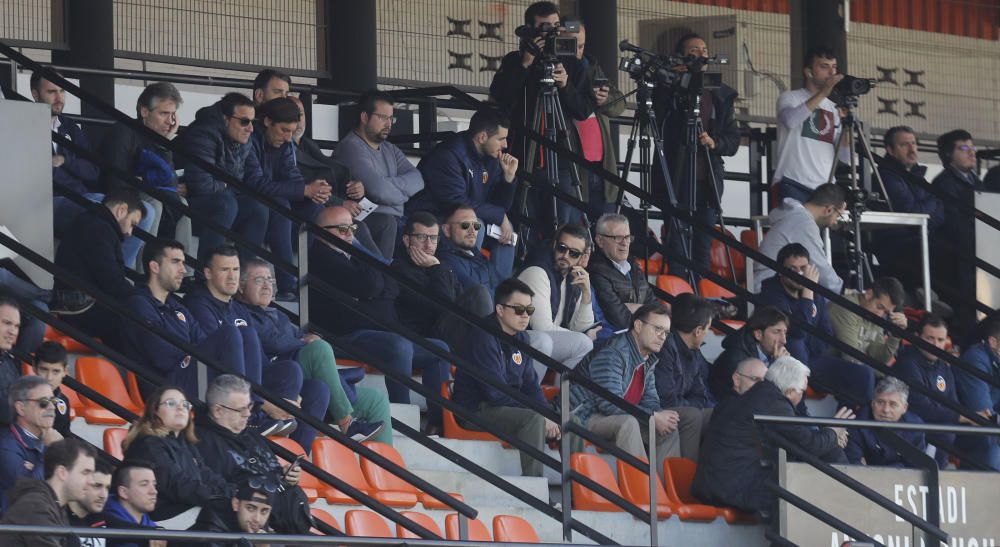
156,92
890,384
20,388
223,386
609,218
254,262
788,373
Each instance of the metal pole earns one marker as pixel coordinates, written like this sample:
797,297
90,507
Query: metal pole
652,481
463,527
303,276
565,455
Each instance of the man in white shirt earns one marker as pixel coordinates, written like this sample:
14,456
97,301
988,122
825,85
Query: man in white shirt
808,128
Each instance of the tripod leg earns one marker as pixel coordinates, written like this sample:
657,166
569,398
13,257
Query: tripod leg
719,216
627,165
574,173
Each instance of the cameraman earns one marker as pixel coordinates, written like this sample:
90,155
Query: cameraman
808,128
719,135
516,87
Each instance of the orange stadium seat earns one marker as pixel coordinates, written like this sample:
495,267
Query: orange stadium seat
719,259
340,461
671,284
133,389
654,266
511,529
678,474
362,523
634,485
383,480
420,519
321,515
597,470
477,530
451,428
710,289
103,377
113,437
309,483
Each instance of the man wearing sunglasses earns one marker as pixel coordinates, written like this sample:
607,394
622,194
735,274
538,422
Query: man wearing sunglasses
463,230
22,443
563,327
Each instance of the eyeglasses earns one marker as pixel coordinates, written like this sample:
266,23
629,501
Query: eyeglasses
43,402
261,280
753,379
422,238
967,148
658,330
520,310
243,121
245,410
562,248
342,229
385,117
619,239
466,224
172,404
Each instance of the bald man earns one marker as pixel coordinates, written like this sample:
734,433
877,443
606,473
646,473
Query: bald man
375,293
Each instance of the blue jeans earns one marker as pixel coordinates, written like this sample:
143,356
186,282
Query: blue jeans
279,238
242,214
501,255
398,354
315,400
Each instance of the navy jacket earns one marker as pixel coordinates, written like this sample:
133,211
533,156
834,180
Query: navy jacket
500,361
278,336
471,269
206,138
122,147
279,171
92,250
680,375
864,443
210,313
908,191
456,174
10,370
915,369
737,346
974,393
75,173
374,290
438,282
20,456
801,344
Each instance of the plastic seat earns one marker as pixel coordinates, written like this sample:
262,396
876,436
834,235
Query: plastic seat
511,529
309,483
671,284
597,470
419,518
132,383
678,474
71,345
710,289
360,523
451,428
654,266
383,480
477,530
321,515
113,437
635,488
103,377
340,461
719,259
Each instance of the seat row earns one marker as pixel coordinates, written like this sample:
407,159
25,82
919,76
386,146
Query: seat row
361,523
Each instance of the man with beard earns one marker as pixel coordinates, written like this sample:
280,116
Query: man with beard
461,252
249,514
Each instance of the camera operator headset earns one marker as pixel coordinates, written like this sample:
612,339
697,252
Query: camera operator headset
720,136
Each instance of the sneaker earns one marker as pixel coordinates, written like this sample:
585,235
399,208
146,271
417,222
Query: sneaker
286,296
269,427
361,431
70,302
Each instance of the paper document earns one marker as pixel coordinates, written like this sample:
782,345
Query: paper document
367,208
494,231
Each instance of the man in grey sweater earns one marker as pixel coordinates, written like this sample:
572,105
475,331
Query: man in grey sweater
794,222
389,178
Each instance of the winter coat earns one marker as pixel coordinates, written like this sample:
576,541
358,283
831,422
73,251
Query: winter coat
500,361
206,138
614,289
92,250
680,375
613,367
865,443
34,503
76,173
374,290
20,456
736,347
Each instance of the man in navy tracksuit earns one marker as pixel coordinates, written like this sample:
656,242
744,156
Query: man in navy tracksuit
979,396
889,405
214,308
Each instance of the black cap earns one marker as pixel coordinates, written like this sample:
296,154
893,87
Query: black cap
257,488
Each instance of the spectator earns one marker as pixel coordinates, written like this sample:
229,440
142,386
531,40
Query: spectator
133,498
134,153
362,416
564,327
620,285
764,337
730,472
504,363
68,467
14,284
808,128
220,135
236,453
882,299
603,333
281,180
919,367
802,222
515,89
749,372
164,436
270,84
462,253
50,365
889,405
976,394
10,367
213,307
22,443
376,293
389,179
719,137
472,169
682,372
623,367
92,251
250,509
88,512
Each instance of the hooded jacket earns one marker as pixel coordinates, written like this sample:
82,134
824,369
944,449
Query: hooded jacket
21,455
680,375
33,502
116,516
791,222
206,138
614,289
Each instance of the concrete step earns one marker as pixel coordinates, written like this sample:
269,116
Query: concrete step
489,454
408,414
477,491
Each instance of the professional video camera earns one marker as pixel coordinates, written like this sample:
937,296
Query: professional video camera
662,70
555,45
847,91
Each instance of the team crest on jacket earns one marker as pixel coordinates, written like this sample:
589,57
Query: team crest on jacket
180,316
486,177
516,357
940,383
60,405
240,323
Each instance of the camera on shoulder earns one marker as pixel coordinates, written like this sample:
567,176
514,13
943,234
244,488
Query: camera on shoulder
555,44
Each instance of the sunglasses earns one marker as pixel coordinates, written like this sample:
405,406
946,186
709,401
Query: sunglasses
172,404
465,225
521,310
43,402
243,121
562,248
342,229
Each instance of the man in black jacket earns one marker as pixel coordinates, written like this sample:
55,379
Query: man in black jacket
719,137
247,513
619,283
763,337
10,366
730,471
92,250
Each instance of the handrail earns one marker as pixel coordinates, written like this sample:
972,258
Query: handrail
873,424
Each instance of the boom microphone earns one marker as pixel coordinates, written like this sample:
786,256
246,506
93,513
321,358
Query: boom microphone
624,45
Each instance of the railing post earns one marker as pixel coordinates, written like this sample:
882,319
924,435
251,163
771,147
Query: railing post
427,118
652,481
564,457
303,276
463,527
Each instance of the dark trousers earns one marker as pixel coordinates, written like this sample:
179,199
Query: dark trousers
242,214
855,383
789,188
280,234
315,400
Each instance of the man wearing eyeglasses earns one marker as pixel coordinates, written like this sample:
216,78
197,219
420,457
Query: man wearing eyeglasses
564,326
22,443
619,283
390,180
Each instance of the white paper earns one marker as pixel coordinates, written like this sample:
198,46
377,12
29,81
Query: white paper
495,232
367,208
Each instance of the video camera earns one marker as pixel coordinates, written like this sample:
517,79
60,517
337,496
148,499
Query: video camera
555,45
661,70
847,91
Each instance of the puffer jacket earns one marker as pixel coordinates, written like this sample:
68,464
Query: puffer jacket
614,290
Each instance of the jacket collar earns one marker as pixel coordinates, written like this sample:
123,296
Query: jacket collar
893,164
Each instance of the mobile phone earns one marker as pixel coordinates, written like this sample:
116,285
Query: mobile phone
594,326
600,82
295,463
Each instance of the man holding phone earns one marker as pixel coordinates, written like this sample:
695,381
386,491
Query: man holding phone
563,325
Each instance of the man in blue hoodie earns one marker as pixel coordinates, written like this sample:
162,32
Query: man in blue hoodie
133,497
976,394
